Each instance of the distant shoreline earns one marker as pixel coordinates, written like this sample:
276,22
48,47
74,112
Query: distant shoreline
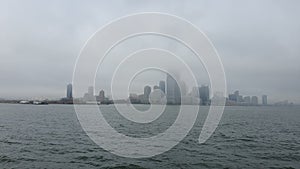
59,103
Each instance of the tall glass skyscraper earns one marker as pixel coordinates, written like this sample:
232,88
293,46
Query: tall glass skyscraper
101,96
91,91
204,94
254,100
162,86
173,91
265,100
69,91
147,91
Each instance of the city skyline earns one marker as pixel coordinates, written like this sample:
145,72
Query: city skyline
149,84
35,64
171,91
91,95
246,99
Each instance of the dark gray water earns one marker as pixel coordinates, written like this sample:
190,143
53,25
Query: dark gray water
247,137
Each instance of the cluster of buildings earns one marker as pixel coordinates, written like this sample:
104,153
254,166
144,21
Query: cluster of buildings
167,92
170,92
237,99
88,97
155,96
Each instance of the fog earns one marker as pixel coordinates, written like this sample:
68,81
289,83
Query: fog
258,42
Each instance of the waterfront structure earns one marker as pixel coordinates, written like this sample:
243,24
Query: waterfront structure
147,91
155,87
217,99
162,86
190,100
247,100
91,91
157,97
235,96
183,88
141,98
134,98
204,94
69,91
195,92
89,96
284,103
173,91
231,97
240,99
264,100
254,100
101,96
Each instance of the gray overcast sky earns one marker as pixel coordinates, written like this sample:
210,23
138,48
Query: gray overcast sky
258,41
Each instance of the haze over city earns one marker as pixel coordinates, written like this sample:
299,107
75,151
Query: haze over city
149,84
258,43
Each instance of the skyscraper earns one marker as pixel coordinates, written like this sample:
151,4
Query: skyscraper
91,91
162,86
247,100
237,93
254,100
101,96
264,99
89,96
232,97
69,91
147,91
173,91
195,92
134,98
204,94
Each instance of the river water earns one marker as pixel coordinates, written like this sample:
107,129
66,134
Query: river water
50,136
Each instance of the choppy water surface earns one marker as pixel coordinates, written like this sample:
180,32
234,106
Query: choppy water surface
50,136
